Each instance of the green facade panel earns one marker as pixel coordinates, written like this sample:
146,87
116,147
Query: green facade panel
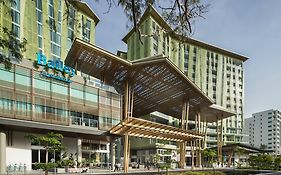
29,25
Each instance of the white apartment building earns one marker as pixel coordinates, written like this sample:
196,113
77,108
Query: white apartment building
263,130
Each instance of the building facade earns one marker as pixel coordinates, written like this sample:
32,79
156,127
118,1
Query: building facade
218,72
263,130
48,26
41,94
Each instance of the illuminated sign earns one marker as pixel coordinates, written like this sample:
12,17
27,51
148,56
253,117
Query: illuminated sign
60,71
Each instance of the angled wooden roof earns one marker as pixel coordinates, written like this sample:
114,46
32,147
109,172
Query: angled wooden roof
158,84
147,129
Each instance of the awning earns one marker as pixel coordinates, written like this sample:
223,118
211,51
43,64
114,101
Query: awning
147,129
158,84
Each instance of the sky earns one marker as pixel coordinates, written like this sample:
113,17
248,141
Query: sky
248,27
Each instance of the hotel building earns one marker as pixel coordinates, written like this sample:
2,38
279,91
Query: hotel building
82,110
41,94
263,130
218,72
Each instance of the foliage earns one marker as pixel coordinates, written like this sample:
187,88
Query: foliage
209,155
51,142
199,173
67,161
263,146
13,47
264,162
45,166
277,162
35,64
179,14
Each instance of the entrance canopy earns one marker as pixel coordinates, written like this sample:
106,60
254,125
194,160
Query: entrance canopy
147,129
158,84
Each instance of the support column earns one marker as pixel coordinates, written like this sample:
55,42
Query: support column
79,150
184,126
2,152
199,154
205,134
199,141
195,142
128,112
192,155
126,155
219,139
112,154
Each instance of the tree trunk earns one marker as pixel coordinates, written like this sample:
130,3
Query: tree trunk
46,171
46,155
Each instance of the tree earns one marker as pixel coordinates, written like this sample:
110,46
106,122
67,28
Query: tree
179,14
156,160
11,48
277,162
239,152
261,161
51,142
209,155
263,146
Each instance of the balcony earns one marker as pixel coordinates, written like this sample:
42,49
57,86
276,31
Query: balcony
86,122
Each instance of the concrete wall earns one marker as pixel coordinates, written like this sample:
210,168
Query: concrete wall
264,128
70,145
19,151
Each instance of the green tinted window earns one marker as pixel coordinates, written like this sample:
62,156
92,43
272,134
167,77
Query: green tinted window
59,88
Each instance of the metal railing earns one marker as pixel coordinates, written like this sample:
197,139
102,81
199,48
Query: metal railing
84,122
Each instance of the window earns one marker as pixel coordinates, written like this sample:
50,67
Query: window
86,30
164,43
186,57
15,10
55,30
179,55
39,24
70,27
194,50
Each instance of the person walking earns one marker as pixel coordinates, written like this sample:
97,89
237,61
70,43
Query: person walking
116,167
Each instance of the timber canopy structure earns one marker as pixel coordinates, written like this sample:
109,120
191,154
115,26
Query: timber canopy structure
148,85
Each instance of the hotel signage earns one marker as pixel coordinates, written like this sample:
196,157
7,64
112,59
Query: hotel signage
60,71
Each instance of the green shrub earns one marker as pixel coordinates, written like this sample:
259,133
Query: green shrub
200,173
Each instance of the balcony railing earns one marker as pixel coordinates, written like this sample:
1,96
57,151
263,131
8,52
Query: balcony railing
84,122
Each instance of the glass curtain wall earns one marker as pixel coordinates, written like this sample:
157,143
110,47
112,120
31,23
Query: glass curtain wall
25,94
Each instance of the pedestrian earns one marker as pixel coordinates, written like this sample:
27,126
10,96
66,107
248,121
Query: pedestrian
116,168
147,164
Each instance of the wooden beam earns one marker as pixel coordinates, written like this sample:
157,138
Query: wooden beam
187,115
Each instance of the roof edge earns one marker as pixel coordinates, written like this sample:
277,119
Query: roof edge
93,14
153,12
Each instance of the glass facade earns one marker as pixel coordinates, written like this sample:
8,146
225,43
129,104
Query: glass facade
25,94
